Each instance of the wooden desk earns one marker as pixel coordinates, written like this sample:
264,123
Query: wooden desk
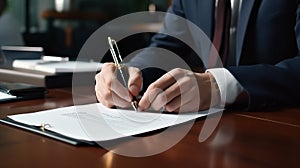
242,139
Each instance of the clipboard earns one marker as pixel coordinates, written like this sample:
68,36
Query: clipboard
42,131
103,124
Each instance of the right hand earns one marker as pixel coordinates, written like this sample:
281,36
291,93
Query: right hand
110,92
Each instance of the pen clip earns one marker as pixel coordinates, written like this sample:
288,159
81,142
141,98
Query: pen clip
118,59
116,56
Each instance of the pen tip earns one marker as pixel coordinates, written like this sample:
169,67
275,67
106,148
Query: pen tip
134,105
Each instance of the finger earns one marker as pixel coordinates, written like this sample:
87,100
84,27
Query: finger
111,99
98,81
166,80
120,102
135,81
183,85
164,97
108,87
102,95
114,101
154,89
119,89
108,68
148,98
176,105
180,87
179,104
100,87
186,108
107,73
158,102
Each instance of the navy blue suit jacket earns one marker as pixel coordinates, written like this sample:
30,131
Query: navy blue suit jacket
267,51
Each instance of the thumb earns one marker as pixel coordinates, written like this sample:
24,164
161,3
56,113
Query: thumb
135,81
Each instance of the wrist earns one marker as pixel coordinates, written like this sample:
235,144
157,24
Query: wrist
215,91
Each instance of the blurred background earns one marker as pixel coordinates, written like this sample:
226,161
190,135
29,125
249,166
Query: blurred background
62,26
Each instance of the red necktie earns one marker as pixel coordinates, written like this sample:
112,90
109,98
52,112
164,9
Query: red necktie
221,33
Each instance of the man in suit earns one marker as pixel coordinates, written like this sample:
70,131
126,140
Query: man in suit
263,73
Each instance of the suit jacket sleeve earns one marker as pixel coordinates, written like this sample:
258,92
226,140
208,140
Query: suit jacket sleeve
155,61
271,86
178,30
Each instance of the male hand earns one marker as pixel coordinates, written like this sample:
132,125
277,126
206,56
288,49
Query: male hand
181,91
110,92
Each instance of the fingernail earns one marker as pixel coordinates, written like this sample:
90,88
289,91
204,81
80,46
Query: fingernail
140,108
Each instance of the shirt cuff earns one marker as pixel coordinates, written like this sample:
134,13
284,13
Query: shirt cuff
229,87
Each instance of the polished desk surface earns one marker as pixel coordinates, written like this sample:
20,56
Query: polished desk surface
242,139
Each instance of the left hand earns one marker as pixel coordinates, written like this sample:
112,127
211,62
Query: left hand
181,90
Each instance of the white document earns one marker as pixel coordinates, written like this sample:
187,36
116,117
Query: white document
57,67
5,96
94,122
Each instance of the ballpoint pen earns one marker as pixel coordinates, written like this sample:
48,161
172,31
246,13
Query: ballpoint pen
123,72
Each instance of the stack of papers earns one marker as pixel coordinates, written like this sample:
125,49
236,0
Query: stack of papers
57,66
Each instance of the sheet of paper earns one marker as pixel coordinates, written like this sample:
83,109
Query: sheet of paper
56,67
94,122
5,96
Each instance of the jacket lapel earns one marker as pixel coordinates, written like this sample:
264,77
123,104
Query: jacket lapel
243,20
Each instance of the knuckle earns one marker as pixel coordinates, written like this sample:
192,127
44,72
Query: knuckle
173,90
107,65
177,70
107,95
153,86
188,81
161,98
109,84
96,89
97,76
